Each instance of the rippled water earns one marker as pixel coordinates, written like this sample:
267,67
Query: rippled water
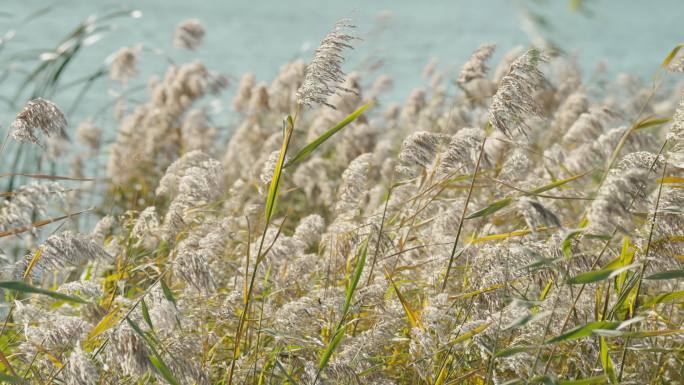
259,36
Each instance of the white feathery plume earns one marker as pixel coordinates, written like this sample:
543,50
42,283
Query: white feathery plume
309,230
102,229
420,148
188,34
516,166
624,185
63,252
80,369
569,111
324,74
145,228
49,330
415,103
84,289
312,177
588,126
191,181
676,137
283,89
505,63
244,92
197,131
259,101
38,115
124,64
677,65
476,66
380,85
126,351
463,152
28,200
89,134
352,188
514,101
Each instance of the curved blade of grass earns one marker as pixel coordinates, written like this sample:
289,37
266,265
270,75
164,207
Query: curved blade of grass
599,275
626,258
650,121
163,369
351,287
105,323
664,298
546,380
309,148
146,313
444,371
583,331
566,244
668,59
525,320
155,358
412,317
670,274
607,362
168,294
331,348
671,180
32,263
275,180
282,369
470,334
585,381
514,350
356,276
501,203
491,209
26,288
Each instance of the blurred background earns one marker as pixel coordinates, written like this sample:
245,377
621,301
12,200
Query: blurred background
607,37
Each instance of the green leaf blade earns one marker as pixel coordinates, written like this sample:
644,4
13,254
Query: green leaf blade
309,148
26,288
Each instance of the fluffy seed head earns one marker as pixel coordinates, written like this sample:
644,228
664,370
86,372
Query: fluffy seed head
420,148
676,136
89,134
63,252
124,64
463,151
38,114
189,34
29,200
476,66
324,74
514,101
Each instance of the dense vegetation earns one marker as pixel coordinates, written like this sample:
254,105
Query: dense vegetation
510,226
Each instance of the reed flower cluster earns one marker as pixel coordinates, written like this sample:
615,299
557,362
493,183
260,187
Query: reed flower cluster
520,226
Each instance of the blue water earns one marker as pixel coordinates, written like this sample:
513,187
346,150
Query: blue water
259,36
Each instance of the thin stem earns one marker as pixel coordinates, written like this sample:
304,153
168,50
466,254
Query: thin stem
259,257
463,214
641,273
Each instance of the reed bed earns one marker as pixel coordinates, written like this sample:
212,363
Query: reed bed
517,225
